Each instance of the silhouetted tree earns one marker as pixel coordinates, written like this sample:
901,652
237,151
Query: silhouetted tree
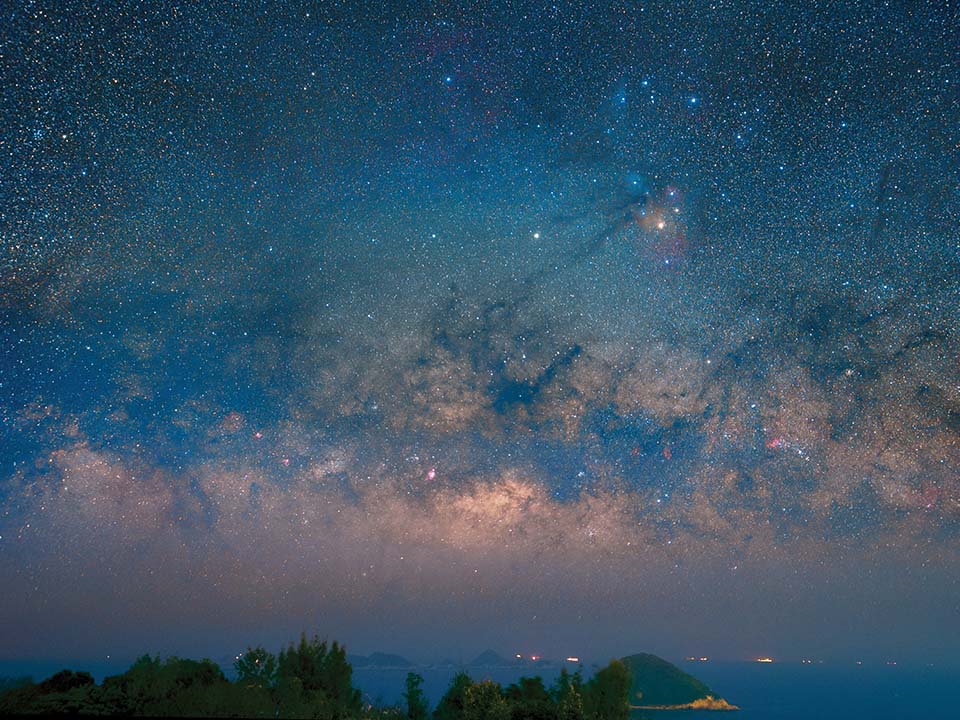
176,686
292,701
415,699
256,668
565,683
606,696
485,701
529,700
450,706
320,676
66,692
64,681
309,680
570,706
337,683
304,662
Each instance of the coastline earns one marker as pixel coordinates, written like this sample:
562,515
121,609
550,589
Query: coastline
707,703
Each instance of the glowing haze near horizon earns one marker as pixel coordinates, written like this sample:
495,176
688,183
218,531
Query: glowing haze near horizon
535,327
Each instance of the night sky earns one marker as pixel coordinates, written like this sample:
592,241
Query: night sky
559,328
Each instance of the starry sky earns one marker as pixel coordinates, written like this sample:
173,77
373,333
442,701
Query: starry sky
570,328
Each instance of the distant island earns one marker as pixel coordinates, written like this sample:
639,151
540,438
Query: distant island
656,684
379,660
314,679
490,658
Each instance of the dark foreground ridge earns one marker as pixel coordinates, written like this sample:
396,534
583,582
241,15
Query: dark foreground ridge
314,679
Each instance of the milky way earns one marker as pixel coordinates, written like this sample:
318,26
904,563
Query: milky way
567,329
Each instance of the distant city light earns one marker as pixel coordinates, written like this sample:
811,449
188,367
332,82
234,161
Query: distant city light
764,660
573,659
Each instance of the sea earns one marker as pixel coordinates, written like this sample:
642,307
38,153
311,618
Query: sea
776,691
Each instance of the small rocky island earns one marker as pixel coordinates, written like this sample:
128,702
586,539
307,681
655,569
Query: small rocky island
656,684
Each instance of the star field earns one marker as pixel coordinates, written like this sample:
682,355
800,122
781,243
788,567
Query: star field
604,326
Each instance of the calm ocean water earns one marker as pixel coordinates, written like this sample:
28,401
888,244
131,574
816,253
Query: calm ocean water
780,691
795,692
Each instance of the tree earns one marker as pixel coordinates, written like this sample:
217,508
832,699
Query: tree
64,681
607,695
292,701
337,683
529,700
319,675
567,683
175,686
570,706
66,693
485,701
256,668
304,662
567,692
310,680
415,699
450,706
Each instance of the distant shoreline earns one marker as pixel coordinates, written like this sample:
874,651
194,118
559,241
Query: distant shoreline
707,703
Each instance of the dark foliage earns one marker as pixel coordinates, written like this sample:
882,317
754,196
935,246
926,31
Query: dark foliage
256,668
529,700
309,679
451,704
65,681
415,699
606,696
11,683
314,674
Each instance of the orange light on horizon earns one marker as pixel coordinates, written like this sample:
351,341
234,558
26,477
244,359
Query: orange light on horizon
573,659
764,660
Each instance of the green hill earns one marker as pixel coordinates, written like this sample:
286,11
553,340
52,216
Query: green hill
654,681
